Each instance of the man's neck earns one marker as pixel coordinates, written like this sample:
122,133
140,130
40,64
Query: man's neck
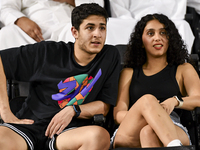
81,57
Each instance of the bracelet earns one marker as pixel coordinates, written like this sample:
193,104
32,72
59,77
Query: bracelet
180,101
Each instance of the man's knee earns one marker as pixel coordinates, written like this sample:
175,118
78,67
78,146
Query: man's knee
88,137
99,137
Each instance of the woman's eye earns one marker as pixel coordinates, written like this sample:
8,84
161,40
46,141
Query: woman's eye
163,32
150,33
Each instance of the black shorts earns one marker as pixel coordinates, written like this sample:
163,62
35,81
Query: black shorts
33,134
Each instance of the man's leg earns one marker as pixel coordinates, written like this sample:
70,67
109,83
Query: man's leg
9,139
84,138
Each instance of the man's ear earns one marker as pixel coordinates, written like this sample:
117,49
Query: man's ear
74,32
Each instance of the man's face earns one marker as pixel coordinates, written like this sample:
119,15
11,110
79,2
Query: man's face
91,35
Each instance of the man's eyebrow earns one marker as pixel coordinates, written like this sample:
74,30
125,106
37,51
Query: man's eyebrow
102,24
92,24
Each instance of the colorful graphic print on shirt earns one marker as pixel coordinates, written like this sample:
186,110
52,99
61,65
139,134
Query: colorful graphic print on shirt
75,89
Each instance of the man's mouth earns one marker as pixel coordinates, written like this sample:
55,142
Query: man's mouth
96,42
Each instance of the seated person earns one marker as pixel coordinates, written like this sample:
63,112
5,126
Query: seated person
194,4
69,84
126,13
31,21
154,87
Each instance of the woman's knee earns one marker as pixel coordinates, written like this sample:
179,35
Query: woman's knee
147,101
146,132
148,137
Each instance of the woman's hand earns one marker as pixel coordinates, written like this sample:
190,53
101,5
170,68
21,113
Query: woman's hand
169,104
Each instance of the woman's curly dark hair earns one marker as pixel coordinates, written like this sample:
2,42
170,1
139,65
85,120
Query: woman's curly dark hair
135,54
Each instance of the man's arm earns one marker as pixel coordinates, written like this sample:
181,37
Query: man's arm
71,2
93,108
120,9
64,117
10,11
5,111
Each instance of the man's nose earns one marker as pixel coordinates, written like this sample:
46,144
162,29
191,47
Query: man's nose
97,33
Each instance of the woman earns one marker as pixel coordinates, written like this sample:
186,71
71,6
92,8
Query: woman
155,80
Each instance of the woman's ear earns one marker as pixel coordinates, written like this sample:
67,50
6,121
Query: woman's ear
74,32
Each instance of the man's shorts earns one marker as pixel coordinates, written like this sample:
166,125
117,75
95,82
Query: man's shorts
34,134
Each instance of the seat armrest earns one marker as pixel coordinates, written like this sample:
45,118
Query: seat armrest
197,126
99,119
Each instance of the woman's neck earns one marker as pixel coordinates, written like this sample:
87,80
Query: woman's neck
154,66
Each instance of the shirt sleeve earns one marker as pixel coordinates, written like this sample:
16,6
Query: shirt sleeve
109,91
10,11
120,9
79,2
21,63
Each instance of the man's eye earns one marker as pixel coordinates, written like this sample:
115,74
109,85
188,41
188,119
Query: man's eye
89,28
102,28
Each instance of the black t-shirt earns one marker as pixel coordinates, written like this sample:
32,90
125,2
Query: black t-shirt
45,64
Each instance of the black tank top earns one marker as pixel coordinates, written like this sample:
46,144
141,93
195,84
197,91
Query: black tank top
162,85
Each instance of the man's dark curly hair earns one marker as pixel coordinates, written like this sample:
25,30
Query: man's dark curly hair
135,55
85,10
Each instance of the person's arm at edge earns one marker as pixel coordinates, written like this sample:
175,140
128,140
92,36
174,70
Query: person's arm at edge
5,111
191,83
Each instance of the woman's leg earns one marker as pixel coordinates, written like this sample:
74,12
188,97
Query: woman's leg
145,111
148,138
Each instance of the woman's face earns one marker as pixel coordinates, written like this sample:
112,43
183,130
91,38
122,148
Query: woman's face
155,40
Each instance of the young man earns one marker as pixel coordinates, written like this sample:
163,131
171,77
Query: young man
62,76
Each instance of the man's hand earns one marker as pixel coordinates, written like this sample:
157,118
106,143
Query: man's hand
71,2
60,121
9,117
30,27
